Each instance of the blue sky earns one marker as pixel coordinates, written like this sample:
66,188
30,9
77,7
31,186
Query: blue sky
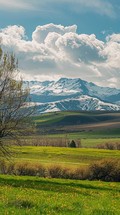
88,19
98,17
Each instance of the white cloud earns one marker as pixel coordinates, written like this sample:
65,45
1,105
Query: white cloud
41,32
16,32
112,50
56,51
80,48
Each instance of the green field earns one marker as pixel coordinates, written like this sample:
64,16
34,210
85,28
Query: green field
22,195
37,196
63,156
90,134
79,125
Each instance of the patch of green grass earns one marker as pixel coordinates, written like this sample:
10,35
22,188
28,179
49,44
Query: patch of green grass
91,134
62,156
48,120
80,124
37,196
94,142
82,117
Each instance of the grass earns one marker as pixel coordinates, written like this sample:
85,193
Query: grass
95,142
70,117
38,196
63,156
92,128
79,124
90,134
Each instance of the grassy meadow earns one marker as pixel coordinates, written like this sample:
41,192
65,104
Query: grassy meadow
63,156
22,195
37,196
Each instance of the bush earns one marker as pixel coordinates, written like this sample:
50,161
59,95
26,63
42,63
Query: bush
110,146
22,169
105,170
72,144
6,167
30,169
55,171
11,168
81,173
118,146
3,167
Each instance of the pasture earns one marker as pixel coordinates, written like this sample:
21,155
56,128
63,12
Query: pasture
37,196
59,155
22,195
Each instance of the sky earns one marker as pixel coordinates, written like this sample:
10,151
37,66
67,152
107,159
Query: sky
63,38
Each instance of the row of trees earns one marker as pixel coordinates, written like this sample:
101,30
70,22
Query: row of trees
13,98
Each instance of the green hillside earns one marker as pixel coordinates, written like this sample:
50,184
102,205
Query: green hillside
87,123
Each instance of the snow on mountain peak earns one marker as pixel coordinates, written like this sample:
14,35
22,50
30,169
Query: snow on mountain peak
76,94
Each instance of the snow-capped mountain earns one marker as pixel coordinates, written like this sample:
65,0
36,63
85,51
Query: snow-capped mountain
85,103
73,94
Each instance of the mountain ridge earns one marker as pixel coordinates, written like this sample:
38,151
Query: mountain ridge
73,92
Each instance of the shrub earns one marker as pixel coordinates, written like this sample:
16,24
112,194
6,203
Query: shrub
55,171
11,168
3,167
81,173
30,169
118,146
110,146
22,169
72,144
106,170
78,143
41,171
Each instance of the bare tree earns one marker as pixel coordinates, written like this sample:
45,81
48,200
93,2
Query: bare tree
13,99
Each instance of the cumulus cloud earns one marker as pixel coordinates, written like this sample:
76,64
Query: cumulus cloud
112,50
16,32
80,48
41,32
57,51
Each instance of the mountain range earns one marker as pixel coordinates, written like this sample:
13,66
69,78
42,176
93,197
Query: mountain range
72,94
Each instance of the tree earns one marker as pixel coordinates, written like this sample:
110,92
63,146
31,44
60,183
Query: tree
14,96
72,144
